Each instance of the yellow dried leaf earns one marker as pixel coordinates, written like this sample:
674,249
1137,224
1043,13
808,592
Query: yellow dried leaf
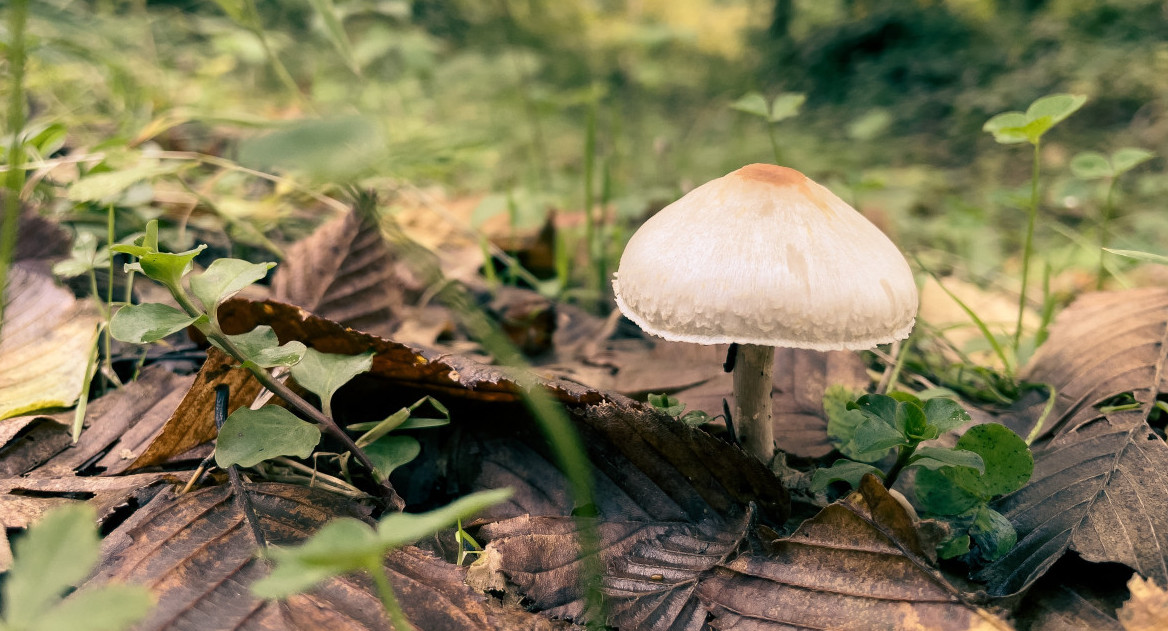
45,343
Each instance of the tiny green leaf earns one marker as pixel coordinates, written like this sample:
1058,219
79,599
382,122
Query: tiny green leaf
752,103
1091,165
324,373
993,533
912,423
391,452
1008,463
786,105
945,414
667,404
843,422
142,324
251,436
876,435
1056,108
905,397
941,457
954,547
1128,158
261,347
1007,128
842,471
877,406
937,494
695,418
57,552
224,278
168,268
83,257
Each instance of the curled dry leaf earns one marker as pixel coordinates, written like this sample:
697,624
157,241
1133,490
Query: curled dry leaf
45,344
1100,484
197,556
192,421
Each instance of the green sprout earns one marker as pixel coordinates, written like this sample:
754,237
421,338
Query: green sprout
1009,128
1091,165
783,106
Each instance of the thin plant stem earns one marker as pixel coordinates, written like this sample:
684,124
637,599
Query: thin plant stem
222,391
385,590
903,454
14,180
590,223
212,331
774,142
1103,221
1028,245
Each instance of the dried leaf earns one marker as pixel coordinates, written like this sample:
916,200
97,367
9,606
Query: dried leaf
197,556
23,500
193,419
344,272
850,567
1147,610
1075,595
120,424
1100,485
45,344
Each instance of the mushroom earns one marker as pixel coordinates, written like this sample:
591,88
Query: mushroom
765,257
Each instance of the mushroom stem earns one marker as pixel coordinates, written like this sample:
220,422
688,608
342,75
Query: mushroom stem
752,394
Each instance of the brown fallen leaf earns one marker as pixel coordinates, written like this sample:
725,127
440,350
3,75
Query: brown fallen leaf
346,273
1147,610
1075,594
197,556
29,441
23,500
119,421
1100,484
856,565
191,421
45,344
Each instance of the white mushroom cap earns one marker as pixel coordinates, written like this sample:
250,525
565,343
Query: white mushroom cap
766,256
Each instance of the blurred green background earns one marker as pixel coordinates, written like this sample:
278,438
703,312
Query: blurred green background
623,105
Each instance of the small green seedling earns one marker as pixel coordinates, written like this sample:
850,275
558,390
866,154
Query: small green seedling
56,553
952,484
349,545
675,408
783,106
466,543
249,436
902,421
1091,165
961,498
1010,128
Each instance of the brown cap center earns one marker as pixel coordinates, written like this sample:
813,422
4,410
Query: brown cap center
771,174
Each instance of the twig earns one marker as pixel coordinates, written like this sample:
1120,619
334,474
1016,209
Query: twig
241,499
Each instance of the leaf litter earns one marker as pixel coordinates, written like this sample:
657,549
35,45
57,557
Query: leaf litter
683,514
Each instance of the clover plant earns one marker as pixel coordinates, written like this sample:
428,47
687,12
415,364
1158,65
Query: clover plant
675,408
953,484
1010,128
1091,165
781,108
